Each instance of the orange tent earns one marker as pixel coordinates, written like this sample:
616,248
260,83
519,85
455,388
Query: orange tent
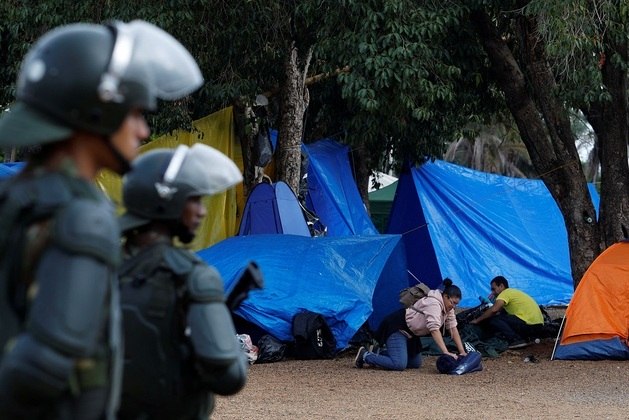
597,319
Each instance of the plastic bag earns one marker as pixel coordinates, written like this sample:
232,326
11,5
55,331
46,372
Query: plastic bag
262,147
270,349
470,363
247,346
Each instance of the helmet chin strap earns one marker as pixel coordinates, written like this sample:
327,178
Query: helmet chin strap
183,233
123,163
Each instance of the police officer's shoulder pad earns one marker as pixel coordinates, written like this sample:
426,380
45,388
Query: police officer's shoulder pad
88,227
205,284
180,261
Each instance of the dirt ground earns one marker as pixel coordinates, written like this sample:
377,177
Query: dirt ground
507,388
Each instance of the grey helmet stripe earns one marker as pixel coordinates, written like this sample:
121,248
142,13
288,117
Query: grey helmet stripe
165,189
108,89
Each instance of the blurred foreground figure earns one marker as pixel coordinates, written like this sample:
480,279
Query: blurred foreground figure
81,92
180,341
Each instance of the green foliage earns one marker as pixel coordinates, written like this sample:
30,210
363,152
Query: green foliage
415,76
576,34
239,49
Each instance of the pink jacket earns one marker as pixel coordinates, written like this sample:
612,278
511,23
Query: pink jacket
429,314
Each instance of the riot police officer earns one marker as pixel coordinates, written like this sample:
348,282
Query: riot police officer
180,342
81,92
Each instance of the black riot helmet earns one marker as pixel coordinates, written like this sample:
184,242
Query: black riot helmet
161,180
88,77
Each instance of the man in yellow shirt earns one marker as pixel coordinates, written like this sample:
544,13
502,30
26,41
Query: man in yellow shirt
515,315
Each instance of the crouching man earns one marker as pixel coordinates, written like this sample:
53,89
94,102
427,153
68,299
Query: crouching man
514,315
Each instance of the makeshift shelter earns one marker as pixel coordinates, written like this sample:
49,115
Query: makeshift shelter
597,320
273,208
348,280
471,226
380,202
332,192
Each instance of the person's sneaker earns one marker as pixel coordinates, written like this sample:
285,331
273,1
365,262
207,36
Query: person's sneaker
518,344
359,361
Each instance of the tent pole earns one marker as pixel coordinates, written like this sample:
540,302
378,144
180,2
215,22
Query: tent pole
563,319
413,275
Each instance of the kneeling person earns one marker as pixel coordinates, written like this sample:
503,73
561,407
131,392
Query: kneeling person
180,342
402,330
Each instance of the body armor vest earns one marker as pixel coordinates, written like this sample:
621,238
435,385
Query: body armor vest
159,373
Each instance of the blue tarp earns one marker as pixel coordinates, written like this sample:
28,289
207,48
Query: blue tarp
10,169
348,280
332,192
273,209
471,226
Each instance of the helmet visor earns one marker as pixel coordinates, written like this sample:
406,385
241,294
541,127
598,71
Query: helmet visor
175,73
148,56
204,169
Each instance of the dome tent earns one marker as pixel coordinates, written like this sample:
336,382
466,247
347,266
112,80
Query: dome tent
597,320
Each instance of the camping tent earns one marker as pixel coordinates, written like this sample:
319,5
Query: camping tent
348,280
332,192
471,226
273,208
597,319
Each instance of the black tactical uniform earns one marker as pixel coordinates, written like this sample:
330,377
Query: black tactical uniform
60,320
180,342
60,243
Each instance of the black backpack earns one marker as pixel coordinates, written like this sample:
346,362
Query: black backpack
313,337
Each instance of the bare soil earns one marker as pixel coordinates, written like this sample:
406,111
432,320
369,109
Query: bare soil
507,388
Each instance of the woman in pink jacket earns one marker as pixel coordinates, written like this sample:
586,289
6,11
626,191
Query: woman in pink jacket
402,329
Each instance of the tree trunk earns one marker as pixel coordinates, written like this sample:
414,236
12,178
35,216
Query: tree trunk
360,163
294,103
543,127
246,129
609,120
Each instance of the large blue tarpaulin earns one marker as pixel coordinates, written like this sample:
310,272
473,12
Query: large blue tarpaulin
349,280
471,226
10,169
332,191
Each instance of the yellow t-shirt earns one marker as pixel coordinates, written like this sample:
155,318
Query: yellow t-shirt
521,305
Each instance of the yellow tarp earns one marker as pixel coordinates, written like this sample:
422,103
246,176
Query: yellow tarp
216,130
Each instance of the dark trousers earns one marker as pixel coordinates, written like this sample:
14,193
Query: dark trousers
512,327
